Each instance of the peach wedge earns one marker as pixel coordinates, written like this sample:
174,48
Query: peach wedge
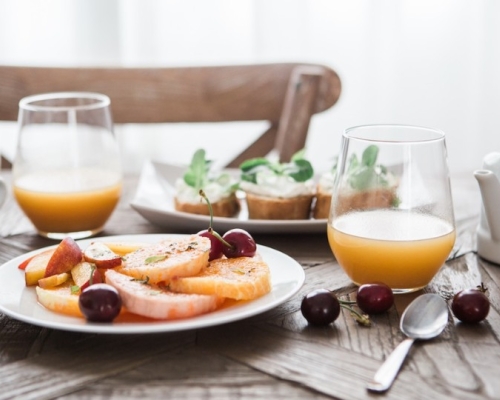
66,255
53,280
35,270
102,256
82,272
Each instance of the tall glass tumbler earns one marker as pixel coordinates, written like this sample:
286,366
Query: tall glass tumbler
67,174
391,218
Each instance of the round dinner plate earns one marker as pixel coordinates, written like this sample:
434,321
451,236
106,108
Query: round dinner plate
19,301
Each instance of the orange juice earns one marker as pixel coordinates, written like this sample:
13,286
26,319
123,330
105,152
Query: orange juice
68,201
402,249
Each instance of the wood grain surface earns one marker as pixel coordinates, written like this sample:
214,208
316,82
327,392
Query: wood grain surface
275,355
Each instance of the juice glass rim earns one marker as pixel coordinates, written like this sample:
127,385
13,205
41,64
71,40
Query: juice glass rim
99,101
393,133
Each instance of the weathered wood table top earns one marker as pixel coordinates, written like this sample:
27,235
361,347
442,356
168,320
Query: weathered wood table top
269,356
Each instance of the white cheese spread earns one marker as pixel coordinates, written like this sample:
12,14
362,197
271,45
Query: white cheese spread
278,186
213,190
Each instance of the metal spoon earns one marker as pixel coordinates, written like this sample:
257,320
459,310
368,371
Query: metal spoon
425,318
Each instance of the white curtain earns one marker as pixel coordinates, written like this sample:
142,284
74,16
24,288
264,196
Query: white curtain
424,62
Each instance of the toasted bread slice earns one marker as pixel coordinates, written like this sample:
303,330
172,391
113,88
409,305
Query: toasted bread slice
322,206
262,207
226,207
242,278
366,199
158,302
160,262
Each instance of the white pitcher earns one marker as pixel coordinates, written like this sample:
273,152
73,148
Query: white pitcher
488,232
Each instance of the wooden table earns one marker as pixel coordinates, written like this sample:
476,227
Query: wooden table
269,356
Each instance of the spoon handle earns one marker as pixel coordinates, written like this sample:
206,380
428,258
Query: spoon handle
389,369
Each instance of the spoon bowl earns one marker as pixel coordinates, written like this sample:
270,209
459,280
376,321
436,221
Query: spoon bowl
425,318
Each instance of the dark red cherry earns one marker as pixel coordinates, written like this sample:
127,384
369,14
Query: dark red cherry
374,298
241,244
100,302
320,307
470,306
216,246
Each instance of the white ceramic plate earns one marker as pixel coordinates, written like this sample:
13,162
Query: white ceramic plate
19,301
154,200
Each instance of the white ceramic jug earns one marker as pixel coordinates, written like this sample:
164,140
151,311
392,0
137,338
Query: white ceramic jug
488,232
3,191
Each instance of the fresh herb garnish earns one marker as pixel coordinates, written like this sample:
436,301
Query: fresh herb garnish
154,259
197,174
75,289
144,281
91,279
298,168
366,174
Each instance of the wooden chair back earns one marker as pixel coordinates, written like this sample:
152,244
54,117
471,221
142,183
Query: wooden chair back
286,95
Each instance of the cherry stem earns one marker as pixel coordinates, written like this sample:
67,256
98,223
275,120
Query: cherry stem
216,234
482,288
210,229
361,319
210,210
347,302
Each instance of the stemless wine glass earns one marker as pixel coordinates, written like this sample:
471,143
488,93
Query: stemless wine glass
67,175
391,217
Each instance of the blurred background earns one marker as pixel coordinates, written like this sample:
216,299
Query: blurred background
434,63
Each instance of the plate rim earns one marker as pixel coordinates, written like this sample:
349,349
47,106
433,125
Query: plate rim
76,324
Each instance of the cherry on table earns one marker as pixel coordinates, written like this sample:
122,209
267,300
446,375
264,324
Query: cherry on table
320,307
470,306
374,298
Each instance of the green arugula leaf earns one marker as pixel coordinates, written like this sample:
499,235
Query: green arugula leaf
254,163
367,174
196,175
369,157
251,167
301,170
362,178
298,168
299,155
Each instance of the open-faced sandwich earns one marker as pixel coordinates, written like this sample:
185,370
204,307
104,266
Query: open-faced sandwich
324,190
368,184
277,191
220,188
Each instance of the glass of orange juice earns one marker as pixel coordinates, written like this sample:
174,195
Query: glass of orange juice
391,218
67,175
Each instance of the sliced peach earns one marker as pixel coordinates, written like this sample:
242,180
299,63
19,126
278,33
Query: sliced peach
60,299
66,255
82,272
102,256
123,248
25,263
36,267
53,280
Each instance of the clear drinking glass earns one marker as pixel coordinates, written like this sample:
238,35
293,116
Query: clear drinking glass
67,175
391,218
